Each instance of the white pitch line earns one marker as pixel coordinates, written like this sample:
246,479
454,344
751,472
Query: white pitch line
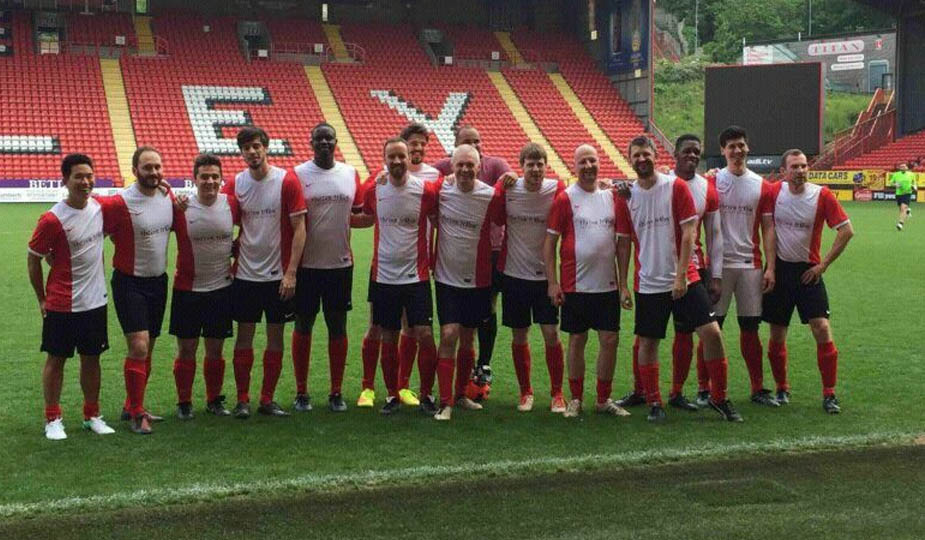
329,483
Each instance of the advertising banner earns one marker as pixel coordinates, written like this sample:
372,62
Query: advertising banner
628,36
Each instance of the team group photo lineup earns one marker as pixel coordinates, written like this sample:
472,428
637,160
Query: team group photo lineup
489,246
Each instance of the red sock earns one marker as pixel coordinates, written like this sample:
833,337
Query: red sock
750,344
214,373
272,366
827,360
427,368
719,373
134,371
184,371
777,357
337,358
681,352
52,412
703,374
465,358
638,386
147,375
521,354
649,375
91,409
370,354
556,365
390,368
577,388
603,390
242,362
407,350
301,359
445,380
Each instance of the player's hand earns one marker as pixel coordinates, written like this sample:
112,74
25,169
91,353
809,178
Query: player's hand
42,308
449,180
50,259
626,299
181,202
679,288
813,275
605,184
623,189
715,290
508,179
163,186
287,287
554,291
382,178
768,282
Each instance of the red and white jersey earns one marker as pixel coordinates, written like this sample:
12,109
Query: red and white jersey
400,251
525,216
140,227
798,220
426,173
585,222
706,201
204,238
463,234
266,230
75,239
330,197
652,218
742,202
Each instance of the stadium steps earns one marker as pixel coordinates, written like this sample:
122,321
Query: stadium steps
590,124
123,134
331,112
332,32
144,35
507,44
528,125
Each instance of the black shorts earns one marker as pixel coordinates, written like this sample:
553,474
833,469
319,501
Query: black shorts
597,311
497,278
690,312
140,302
390,300
86,331
465,306
521,298
328,287
904,199
207,314
251,299
811,301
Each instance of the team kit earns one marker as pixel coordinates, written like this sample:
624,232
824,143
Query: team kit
557,255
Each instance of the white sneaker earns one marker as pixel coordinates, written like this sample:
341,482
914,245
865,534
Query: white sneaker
573,409
526,403
97,425
468,405
54,430
611,408
444,414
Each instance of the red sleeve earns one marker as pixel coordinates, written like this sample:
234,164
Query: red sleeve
113,213
559,215
623,222
430,198
358,195
768,198
369,197
500,215
712,198
44,237
832,210
235,208
560,187
293,198
228,187
444,166
682,202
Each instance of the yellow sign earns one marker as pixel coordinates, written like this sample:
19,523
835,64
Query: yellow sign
873,179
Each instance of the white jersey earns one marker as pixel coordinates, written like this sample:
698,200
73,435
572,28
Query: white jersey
742,201
74,237
585,222
266,230
463,237
526,214
204,238
706,201
140,227
331,195
426,173
799,218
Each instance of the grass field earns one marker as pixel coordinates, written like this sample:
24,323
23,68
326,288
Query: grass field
234,475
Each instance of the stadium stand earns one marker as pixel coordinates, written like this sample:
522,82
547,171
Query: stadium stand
910,147
295,35
471,42
100,29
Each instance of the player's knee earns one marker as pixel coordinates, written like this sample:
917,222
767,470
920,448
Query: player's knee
336,323
449,333
608,339
303,325
551,338
374,332
821,330
749,324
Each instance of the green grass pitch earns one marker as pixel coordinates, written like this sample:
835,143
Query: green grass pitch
874,289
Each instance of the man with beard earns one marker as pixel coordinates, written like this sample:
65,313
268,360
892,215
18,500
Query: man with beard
272,239
73,302
325,277
202,285
660,219
583,216
524,301
800,209
400,270
491,170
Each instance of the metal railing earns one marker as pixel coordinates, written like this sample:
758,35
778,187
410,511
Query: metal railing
857,140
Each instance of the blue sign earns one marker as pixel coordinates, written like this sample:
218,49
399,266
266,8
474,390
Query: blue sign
627,32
